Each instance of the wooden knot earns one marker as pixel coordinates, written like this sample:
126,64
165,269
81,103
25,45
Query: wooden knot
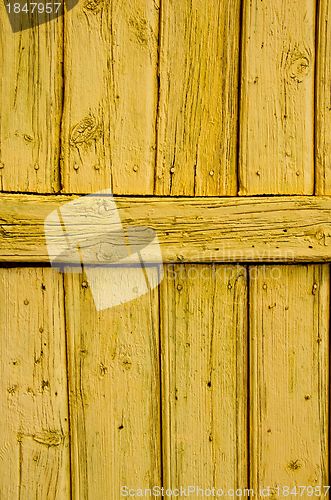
295,465
93,5
140,28
49,438
299,64
85,132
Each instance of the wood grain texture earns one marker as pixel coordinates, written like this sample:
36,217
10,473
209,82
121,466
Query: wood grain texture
204,360
244,229
197,119
323,100
111,96
277,98
30,103
34,444
289,342
114,392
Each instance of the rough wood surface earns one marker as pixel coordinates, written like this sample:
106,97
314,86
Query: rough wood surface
289,373
114,392
197,113
34,443
323,100
243,229
277,97
111,59
204,370
30,103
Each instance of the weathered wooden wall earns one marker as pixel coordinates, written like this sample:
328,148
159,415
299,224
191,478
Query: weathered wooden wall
220,376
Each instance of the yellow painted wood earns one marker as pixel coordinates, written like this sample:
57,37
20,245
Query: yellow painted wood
34,443
114,392
289,365
283,229
323,100
150,105
197,114
110,96
277,97
30,103
204,376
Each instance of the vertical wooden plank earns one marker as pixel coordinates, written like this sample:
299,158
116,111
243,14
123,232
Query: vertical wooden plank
111,96
277,97
197,120
114,392
323,100
31,104
204,346
289,318
34,443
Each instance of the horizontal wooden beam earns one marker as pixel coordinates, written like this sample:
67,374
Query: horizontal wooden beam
256,229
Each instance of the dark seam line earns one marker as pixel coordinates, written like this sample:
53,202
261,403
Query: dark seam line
240,52
158,83
316,46
68,387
